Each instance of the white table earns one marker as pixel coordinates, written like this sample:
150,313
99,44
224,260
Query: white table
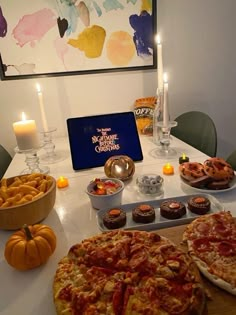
73,219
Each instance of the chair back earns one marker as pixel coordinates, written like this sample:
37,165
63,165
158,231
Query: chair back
5,160
231,159
198,130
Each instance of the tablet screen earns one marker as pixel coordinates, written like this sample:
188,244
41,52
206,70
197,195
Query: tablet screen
93,139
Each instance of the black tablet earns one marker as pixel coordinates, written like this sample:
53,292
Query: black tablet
93,139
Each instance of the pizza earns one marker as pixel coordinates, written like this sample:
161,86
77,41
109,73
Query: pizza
211,241
128,273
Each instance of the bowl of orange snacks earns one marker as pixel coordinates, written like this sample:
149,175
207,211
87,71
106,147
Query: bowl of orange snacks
105,192
26,199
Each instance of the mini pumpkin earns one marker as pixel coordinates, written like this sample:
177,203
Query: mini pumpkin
30,247
119,166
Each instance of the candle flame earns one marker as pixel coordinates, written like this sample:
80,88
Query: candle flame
38,87
23,116
183,155
165,77
158,39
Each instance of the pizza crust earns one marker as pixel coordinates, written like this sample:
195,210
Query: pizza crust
202,266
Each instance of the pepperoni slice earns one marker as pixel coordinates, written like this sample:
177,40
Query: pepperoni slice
202,245
222,230
203,228
226,249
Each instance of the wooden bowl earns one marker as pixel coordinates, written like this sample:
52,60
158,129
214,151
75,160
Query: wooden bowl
32,212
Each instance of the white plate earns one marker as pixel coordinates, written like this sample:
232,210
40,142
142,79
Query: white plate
159,222
232,185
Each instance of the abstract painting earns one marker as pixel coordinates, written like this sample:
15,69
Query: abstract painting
71,37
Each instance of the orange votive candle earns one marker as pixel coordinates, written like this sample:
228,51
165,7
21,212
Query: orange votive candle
62,182
168,169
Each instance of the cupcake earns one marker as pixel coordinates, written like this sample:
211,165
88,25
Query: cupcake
199,205
114,218
143,213
172,209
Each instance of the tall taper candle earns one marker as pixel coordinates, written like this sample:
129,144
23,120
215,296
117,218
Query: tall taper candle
42,110
165,107
26,134
159,64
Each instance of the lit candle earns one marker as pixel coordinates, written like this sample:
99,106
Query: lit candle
165,106
42,110
183,159
159,64
62,182
168,169
26,134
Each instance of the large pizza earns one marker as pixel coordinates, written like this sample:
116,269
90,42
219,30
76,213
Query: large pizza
211,241
128,273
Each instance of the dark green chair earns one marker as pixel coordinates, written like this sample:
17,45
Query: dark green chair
197,129
5,160
231,159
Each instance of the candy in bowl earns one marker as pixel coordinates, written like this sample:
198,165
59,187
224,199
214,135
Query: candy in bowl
150,184
105,192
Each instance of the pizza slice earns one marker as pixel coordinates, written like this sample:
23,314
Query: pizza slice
220,225
84,290
214,252
159,296
108,250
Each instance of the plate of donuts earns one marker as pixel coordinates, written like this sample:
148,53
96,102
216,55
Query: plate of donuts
213,175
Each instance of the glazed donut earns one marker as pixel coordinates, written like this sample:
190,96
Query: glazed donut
191,170
218,169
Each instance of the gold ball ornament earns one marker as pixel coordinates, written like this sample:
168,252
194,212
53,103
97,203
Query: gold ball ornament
119,166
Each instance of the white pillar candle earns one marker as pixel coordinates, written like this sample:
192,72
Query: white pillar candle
165,106
42,110
159,64
26,134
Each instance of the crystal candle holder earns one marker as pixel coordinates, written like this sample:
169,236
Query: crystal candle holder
32,161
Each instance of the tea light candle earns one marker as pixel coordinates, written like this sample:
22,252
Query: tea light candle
168,169
26,134
183,159
62,182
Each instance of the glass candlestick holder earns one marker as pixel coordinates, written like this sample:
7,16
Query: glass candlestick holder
165,149
50,156
32,161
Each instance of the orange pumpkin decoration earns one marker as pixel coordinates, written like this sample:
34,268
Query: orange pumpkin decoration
30,247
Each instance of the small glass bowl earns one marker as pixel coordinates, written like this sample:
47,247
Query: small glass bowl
150,184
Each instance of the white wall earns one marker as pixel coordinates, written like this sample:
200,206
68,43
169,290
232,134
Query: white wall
199,55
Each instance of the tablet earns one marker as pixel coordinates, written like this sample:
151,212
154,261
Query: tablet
93,139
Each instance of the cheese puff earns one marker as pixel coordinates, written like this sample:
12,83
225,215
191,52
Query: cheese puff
27,189
3,182
43,186
17,182
3,193
34,176
49,183
14,199
28,197
38,195
12,191
32,183
5,204
22,201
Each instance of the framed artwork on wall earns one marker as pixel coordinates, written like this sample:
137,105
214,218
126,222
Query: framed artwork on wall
43,38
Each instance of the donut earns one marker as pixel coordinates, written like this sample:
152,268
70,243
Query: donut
191,170
218,169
